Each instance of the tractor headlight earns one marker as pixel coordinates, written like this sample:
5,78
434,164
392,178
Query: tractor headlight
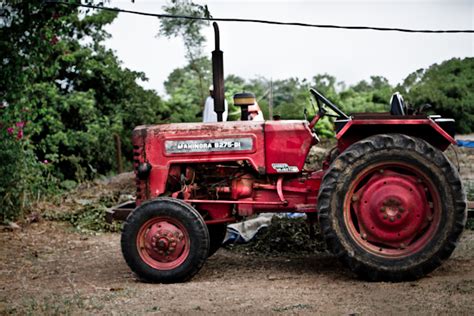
143,170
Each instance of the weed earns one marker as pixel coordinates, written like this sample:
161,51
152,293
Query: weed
90,218
470,197
284,236
292,308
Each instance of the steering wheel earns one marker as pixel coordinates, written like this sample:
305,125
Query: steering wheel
321,101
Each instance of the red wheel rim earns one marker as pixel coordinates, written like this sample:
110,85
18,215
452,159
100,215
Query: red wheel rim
392,209
163,243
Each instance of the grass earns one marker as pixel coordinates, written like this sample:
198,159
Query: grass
66,304
470,197
292,308
84,207
87,219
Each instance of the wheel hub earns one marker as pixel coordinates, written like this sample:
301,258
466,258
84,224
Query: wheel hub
164,241
391,208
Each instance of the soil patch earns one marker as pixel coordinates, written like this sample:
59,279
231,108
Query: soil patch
49,268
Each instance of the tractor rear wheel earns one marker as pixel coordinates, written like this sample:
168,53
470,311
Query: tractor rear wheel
392,207
217,234
165,241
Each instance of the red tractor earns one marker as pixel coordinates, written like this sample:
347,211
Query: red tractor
390,204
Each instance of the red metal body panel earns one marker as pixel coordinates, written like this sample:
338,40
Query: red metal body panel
287,142
264,145
425,128
154,138
276,150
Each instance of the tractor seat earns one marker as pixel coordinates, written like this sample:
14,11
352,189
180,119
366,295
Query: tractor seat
397,106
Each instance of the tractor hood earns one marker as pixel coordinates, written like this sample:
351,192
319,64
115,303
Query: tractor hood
271,147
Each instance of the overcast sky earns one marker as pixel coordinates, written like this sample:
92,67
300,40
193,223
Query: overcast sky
280,52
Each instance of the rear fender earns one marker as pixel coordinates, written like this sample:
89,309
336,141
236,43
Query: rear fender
425,128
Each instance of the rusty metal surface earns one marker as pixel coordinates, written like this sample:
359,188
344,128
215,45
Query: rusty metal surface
199,134
397,210
220,221
386,207
163,243
234,202
119,212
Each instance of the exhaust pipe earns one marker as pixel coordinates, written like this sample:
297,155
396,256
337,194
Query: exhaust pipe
218,75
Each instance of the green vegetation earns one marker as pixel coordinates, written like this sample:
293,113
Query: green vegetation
68,94
65,96
448,88
284,236
470,197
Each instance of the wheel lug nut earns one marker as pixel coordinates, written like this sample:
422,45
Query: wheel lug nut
382,209
399,216
392,219
355,198
385,216
364,236
401,209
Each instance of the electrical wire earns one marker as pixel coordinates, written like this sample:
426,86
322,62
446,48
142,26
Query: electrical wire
325,26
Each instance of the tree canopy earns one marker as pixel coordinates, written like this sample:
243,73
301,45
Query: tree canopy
63,96
448,87
72,93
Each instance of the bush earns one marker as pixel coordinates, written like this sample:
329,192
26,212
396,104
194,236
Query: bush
284,236
24,179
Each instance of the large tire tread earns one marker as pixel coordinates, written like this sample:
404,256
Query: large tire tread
357,152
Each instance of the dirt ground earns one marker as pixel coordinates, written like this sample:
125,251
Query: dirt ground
47,268
50,268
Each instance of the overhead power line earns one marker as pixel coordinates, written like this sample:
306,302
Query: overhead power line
325,26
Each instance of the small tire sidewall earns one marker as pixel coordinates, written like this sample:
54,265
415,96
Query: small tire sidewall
190,219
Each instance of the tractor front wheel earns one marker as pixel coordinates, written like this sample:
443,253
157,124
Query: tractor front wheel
165,241
392,207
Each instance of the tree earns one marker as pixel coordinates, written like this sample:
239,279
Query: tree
65,94
190,32
448,87
373,96
182,86
75,92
